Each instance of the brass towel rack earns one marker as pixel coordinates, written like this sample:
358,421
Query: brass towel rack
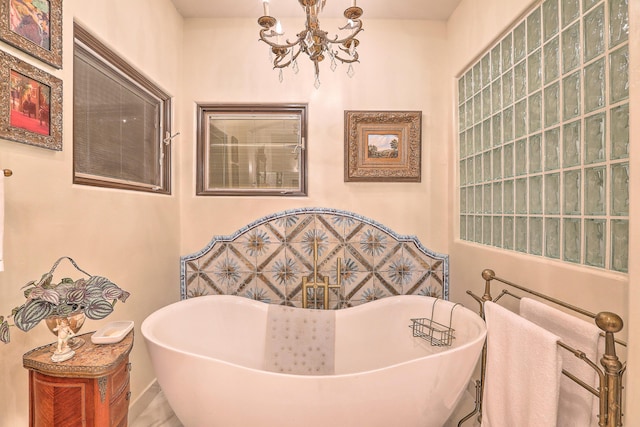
609,392
7,172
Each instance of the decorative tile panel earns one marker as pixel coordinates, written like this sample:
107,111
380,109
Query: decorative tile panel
267,260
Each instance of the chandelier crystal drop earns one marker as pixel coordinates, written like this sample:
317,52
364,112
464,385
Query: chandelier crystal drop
312,41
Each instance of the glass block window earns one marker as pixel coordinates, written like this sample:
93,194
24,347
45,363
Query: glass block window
543,133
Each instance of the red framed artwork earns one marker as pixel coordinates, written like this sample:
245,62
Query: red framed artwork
32,111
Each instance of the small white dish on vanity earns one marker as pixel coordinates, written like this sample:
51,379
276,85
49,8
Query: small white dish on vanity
112,332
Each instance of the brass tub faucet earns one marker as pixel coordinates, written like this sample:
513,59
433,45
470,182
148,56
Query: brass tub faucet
315,284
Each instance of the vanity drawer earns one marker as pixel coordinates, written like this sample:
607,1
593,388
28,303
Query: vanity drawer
119,408
120,379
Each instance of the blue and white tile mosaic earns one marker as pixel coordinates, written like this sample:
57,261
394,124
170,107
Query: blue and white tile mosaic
268,259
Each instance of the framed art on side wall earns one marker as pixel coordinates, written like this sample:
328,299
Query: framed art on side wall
383,146
35,27
32,113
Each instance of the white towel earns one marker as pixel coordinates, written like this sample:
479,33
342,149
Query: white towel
577,407
300,341
523,373
1,220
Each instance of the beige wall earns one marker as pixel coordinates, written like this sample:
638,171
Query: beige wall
225,64
633,320
131,238
474,26
136,239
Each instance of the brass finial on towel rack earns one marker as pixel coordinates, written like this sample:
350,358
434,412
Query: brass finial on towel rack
7,172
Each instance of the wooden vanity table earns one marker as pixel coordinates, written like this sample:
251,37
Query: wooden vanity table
89,390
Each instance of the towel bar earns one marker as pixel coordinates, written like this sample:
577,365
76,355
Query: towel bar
506,292
610,375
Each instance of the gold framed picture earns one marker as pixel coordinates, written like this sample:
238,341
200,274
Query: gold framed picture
383,146
35,27
33,111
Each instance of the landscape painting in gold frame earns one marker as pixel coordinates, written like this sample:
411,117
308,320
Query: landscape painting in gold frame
35,27
32,112
383,146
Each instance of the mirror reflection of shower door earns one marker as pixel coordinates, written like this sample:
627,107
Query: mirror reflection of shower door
217,154
261,167
235,166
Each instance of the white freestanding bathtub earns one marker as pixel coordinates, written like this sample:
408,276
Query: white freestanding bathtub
208,354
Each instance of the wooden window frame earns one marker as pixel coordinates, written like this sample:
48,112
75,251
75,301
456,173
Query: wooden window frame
92,46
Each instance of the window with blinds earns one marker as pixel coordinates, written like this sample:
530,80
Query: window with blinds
121,122
251,150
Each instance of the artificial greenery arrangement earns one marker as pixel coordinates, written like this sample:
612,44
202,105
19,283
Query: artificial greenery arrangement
95,297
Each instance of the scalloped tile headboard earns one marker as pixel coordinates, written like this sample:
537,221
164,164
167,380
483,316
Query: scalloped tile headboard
267,259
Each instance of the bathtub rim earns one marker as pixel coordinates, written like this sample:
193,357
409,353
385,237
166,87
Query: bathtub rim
146,326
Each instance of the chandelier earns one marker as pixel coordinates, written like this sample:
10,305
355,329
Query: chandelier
313,41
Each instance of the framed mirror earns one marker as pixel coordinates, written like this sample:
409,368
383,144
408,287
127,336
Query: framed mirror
252,150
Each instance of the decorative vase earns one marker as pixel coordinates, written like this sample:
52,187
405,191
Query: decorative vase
74,321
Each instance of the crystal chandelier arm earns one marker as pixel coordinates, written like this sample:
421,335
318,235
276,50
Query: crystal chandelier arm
351,59
347,45
352,23
350,36
277,62
264,36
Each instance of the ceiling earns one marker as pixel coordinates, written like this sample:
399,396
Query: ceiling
439,10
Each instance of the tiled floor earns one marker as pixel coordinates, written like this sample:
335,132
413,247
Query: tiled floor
159,414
